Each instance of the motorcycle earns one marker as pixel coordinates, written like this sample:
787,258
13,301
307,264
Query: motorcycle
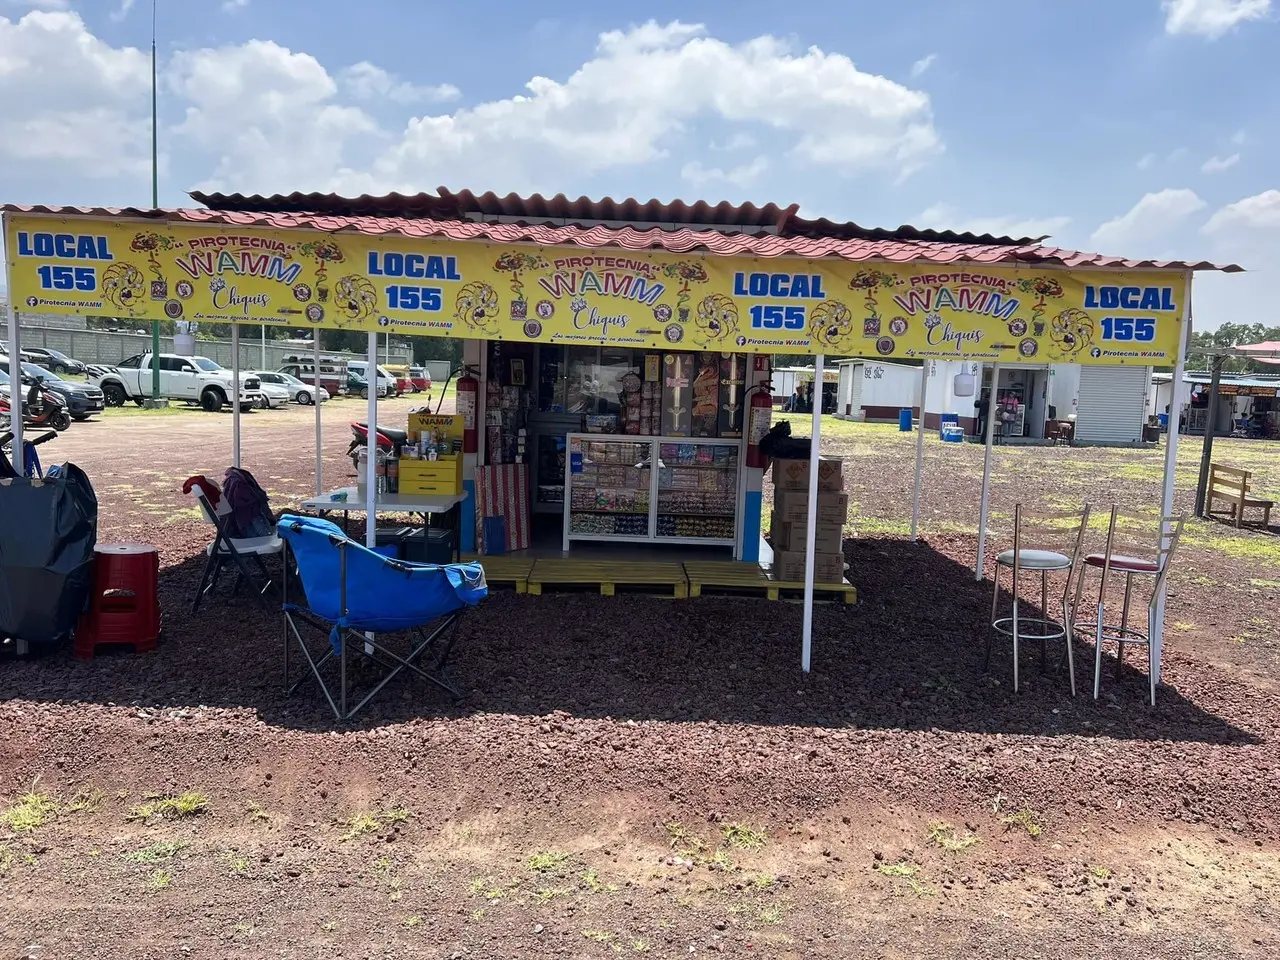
390,440
42,409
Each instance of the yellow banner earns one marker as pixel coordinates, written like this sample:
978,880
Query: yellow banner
443,288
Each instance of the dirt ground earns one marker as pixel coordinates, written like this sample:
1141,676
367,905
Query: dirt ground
632,775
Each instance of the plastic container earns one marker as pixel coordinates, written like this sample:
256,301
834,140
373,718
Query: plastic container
904,420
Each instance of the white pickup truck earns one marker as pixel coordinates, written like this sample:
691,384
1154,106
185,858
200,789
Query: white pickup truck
191,379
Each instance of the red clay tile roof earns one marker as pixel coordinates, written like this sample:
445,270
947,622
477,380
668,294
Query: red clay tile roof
683,240
562,211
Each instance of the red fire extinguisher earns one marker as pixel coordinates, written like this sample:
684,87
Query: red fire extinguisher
468,391
759,414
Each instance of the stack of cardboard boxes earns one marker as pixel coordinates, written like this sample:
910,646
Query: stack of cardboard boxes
790,520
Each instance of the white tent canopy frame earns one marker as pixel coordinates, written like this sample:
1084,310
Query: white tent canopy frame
984,503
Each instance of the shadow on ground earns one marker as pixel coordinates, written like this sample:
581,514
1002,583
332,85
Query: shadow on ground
908,656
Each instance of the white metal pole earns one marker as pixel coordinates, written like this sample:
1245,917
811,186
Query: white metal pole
15,361
315,399
371,473
264,347
986,470
811,532
235,394
1170,471
915,497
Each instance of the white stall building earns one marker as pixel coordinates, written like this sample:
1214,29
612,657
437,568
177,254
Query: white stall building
1109,404
875,391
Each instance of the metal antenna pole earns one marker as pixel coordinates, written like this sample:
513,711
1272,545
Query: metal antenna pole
155,203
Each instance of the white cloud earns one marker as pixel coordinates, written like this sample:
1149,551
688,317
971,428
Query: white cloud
1257,212
364,81
68,98
231,6
1211,18
1146,160
122,11
741,176
924,63
40,4
1147,229
631,103
1217,164
942,216
268,115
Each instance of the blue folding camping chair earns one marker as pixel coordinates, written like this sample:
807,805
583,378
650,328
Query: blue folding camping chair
355,595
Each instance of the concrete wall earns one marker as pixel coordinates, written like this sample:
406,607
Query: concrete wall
100,346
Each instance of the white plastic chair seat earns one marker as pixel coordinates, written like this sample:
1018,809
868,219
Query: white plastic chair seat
1036,560
261,546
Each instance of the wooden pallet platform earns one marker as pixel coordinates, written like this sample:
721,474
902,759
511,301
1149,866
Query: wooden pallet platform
666,578
728,576
505,571
844,591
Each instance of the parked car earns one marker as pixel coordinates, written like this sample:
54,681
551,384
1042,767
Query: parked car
82,400
357,386
54,360
271,393
193,379
386,382
420,379
299,392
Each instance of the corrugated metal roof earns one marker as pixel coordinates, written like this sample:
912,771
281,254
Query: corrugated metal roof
1233,379
560,210
676,241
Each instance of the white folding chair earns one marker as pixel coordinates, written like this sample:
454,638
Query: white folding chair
235,550
1138,545
1044,543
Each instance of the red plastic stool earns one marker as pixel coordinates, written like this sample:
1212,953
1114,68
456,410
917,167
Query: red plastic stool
125,604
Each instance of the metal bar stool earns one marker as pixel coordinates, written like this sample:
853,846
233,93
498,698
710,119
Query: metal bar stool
1043,543
1129,552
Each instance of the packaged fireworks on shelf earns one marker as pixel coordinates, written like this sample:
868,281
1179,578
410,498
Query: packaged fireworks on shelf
677,389
733,385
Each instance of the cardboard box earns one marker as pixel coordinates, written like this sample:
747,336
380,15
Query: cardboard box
794,474
789,566
790,535
790,506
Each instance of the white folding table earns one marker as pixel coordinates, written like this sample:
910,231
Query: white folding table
423,504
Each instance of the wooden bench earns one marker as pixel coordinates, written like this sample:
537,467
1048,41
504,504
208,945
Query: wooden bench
1232,487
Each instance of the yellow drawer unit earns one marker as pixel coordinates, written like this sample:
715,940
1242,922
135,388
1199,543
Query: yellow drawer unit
442,476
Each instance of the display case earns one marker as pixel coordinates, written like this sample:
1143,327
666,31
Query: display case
659,490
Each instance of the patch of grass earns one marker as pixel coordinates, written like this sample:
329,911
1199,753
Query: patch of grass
763,881
186,804
160,879
949,838
359,825
410,923
1100,873
239,864
86,800
243,929
918,888
770,915
1264,584
329,926
547,894
156,852
257,813
683,839
545,861
487,887
32,811
743,837
640,946
477,915
396,814
721,860
6,860
1027,819
903,868
591,880
599,936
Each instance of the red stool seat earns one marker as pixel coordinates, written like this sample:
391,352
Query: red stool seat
1127,564
124,607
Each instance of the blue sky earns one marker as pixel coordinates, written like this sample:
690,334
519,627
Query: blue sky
1144,127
